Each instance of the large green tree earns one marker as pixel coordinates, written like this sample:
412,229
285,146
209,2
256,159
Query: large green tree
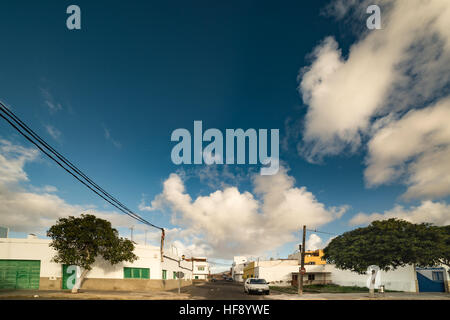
388,244
80,240
444,246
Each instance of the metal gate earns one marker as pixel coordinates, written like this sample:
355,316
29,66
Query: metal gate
20,274
433,284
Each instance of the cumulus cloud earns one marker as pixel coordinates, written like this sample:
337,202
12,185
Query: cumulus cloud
231,222
314,242
12,161
416,146
32,209
363,96
437,213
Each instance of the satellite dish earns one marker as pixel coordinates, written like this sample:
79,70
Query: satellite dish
373,273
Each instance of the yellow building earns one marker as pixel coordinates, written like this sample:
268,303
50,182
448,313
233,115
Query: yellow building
249,271
314,257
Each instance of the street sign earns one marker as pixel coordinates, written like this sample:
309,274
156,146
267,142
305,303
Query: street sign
180,275
302,270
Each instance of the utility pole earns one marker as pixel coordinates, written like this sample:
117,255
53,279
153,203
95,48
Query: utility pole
302,263
131,229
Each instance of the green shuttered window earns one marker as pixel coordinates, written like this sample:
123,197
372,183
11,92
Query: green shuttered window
136,273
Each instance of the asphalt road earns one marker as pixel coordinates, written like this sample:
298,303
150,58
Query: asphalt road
220,290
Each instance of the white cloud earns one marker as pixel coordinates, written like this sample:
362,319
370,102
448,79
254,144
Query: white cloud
53,132
437,213
108,137
50,101
34,209
405,66
231,222
416,146
396,65
314,242
12,161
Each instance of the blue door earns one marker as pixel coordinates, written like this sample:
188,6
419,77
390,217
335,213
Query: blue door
435,284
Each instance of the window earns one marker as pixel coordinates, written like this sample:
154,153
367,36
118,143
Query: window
311,277
437,276
258,281
174,275
164,274
136,273
201,268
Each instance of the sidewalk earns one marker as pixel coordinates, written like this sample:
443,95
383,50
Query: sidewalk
362,296
91,295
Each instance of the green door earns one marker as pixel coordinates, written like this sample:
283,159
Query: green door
20,274
68,276
65,276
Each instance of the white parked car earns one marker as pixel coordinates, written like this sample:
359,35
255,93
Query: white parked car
253,285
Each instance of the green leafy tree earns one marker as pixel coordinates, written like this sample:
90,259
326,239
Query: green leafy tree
444,246
79,241
388,244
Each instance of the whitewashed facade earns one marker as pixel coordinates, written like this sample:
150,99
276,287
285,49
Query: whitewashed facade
148,257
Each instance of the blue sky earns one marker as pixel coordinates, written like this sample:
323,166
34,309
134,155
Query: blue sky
109,95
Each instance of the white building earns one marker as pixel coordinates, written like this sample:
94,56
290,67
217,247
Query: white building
200,267
237,269
276,272
26,263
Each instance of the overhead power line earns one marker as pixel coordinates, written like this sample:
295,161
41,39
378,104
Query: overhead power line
317,231
68,166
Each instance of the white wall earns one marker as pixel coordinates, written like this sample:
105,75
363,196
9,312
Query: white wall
38,249
401,279
277,272
31,249
172,263
238,271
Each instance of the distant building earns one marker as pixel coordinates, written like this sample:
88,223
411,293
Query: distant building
237,269
200,267
312,257
277,272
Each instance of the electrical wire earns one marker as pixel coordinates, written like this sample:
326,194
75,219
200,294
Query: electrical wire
8,115
317,231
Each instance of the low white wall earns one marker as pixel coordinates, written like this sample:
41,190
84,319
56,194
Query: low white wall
401,279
